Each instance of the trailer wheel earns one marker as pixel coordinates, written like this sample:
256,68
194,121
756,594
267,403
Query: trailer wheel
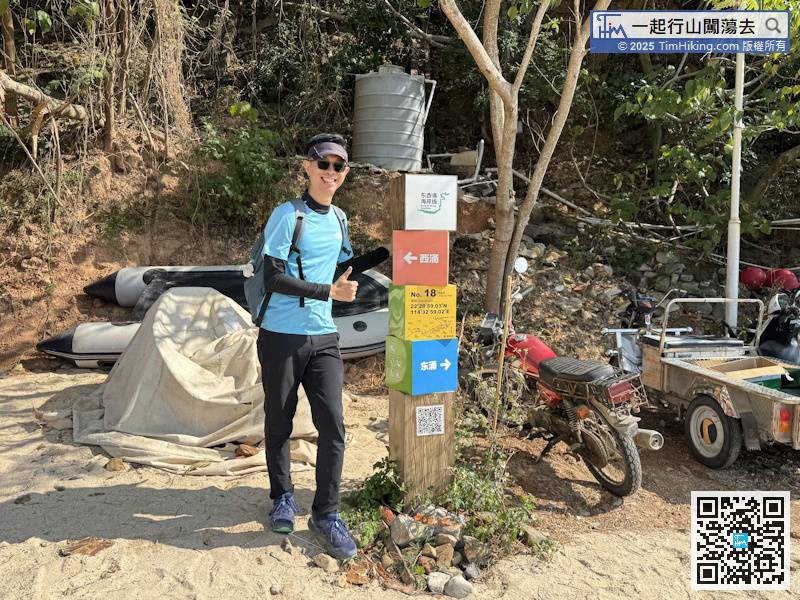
715,439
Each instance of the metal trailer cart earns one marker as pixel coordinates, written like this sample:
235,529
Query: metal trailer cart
727,393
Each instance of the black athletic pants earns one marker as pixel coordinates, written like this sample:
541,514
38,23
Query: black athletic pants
287,360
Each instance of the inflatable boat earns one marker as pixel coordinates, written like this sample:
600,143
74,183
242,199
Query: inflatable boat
362,324
99,345
125,287
139,287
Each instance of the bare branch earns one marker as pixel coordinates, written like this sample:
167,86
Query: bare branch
60,108
783,160
438,41
577,53
674,78
479,54
30,158
526,58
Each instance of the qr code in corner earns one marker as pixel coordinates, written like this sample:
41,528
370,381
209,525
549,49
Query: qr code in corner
740,540
430,420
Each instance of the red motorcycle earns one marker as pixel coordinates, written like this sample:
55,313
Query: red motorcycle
587,404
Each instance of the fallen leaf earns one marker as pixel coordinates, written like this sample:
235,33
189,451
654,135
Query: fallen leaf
390,584
357,574
387,515
87,546
243,450
115,464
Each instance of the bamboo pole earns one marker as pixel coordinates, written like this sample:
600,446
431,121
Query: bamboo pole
506,318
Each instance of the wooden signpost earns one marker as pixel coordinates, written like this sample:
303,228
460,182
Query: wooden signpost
421,349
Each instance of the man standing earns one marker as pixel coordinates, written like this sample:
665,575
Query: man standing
298,342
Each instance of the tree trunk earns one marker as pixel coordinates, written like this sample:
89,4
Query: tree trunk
781,162
124,32
110,22
577,53
654,130
9,59
491,17
504,210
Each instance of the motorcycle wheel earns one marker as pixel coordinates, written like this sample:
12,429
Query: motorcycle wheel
622,475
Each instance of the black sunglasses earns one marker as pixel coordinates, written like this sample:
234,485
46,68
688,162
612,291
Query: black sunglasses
324,165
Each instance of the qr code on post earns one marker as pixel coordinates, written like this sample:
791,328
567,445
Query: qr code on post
430,420
740,540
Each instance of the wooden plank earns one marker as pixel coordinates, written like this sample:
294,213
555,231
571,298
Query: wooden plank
757,372
752,362
397,202
651,367
424,461
396,418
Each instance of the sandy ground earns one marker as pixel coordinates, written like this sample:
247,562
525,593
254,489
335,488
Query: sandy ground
204,537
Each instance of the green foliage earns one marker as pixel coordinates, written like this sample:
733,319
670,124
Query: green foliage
691,112
482,387
239,181
305,71
244,110
36,19
479,490
382,488
365,524
88,10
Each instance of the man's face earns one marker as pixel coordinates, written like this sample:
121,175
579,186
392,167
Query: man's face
322,174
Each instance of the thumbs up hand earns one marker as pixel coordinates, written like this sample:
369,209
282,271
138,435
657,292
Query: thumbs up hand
343,289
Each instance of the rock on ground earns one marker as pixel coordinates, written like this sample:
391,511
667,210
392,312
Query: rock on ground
405,530
437,581
458,587
326,563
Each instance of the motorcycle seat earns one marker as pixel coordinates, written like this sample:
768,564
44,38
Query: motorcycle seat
572,369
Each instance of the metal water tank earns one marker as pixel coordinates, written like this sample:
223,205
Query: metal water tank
391,108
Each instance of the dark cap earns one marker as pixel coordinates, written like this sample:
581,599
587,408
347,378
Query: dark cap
323,149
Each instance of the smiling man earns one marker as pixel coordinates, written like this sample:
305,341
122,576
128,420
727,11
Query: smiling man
298,342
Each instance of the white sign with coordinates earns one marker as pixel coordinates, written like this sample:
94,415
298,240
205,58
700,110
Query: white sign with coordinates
431,202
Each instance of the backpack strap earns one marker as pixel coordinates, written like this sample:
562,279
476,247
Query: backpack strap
343,225
299,222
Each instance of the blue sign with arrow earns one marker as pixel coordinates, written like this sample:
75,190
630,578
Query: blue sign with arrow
422,366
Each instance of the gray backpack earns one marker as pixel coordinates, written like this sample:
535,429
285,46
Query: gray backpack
254,291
